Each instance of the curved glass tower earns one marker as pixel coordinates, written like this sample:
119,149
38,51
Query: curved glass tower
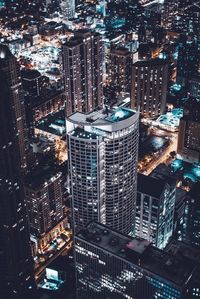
103,154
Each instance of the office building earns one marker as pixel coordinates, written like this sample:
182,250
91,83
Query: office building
113,265
68,8
34,84
103,154
170,14
44,197
188,60
194,89
149,86
10,68
189,132
191,231
120,69
155,210
177,248
16,269
82,69
42,107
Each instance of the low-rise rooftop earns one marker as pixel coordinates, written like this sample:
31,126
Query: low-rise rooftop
150,186
173,268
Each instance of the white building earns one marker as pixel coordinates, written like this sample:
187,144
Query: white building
103,154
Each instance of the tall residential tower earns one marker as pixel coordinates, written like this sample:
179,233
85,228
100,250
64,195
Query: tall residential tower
149,86
16,272
103,152
82,70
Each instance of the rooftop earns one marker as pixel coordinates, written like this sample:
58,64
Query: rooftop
151,62
53,123
174,268
30,74
180,248
111,119
43,173
150,186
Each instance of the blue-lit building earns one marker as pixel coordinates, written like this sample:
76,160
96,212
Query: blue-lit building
112,265
155,209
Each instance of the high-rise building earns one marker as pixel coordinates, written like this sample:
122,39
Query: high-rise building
34,84
11,70
189,132
68,8
194,89
113,265
103,151
82,68
149,86
155,210
16,268
170,14
120,69
188,60
191,229
44,198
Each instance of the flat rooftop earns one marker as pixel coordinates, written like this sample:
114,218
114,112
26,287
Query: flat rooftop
174,268
151,186
151,62
53,123
43,173
181,248
107,119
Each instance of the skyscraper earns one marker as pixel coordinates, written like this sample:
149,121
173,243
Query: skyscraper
195,87
191,228
16,271
82,69
188,60
189,132
11,70
149,86
155,210
120,69
103,151
44,193
113,265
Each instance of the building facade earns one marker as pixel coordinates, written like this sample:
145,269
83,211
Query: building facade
149,86
83,72
16,267
155,210
112,265
191,227
44,191
120,69
103,151
189,132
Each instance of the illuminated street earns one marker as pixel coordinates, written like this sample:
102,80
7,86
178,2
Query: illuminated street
164,155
